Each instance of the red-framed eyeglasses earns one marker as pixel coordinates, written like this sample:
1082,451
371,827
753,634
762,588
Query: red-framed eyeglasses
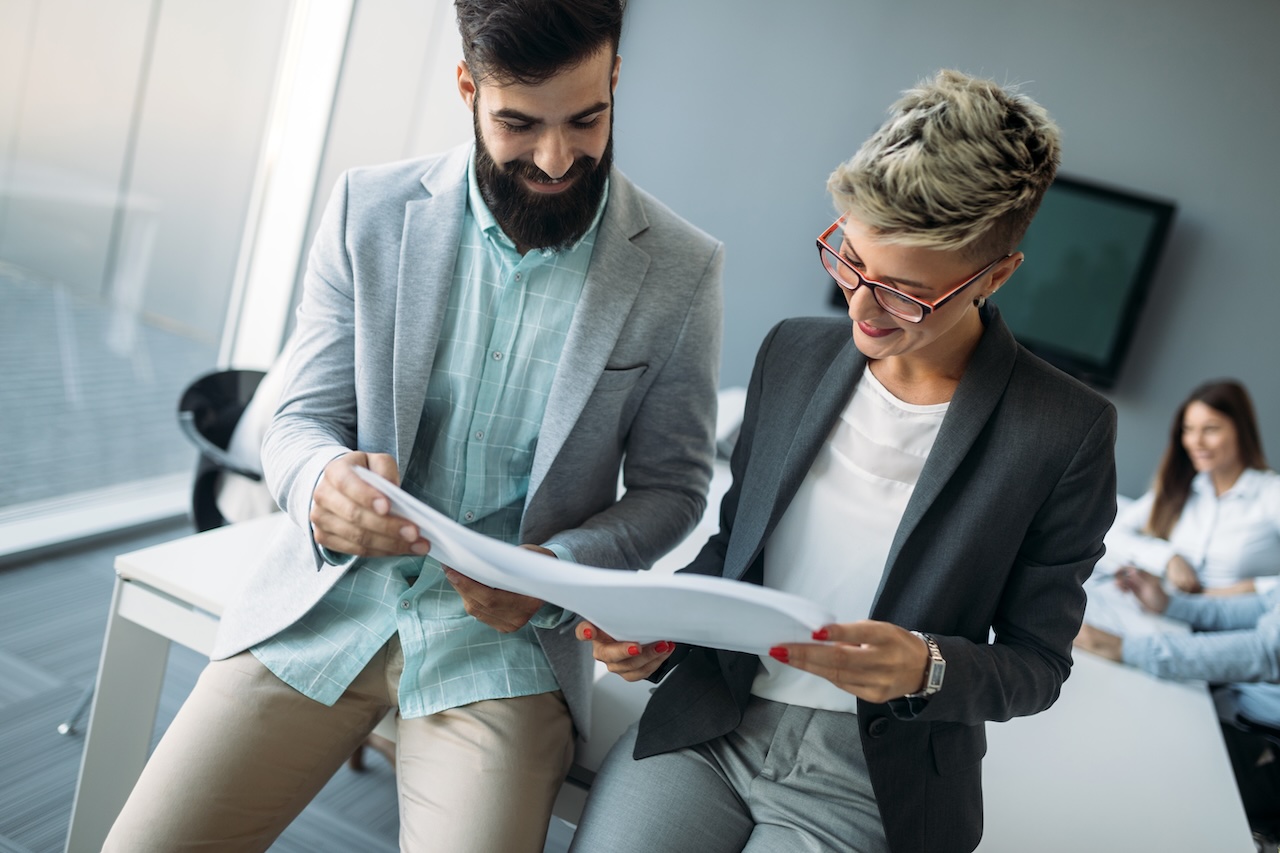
904,306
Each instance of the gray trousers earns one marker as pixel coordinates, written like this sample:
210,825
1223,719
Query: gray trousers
789,778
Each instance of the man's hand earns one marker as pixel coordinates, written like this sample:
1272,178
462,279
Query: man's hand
632,661
501,610
1099,642
1181,575
1145,586
875,661
352,517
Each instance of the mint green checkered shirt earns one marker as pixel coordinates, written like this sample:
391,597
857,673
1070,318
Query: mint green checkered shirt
500,343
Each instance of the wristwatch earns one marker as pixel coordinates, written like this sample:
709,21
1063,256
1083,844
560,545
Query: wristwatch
934,670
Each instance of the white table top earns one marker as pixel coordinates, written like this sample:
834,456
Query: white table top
204,569
1122,761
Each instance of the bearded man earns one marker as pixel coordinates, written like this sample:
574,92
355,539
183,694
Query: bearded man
499,329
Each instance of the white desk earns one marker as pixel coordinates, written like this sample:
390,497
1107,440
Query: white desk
1122,761
175,592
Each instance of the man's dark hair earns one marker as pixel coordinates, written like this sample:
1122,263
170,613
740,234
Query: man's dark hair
528,41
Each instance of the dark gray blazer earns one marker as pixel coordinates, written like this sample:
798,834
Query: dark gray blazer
1005,523
635,389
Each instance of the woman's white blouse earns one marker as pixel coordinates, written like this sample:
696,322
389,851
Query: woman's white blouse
832,542
1225,538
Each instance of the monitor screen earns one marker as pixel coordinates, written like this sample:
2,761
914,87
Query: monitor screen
1091,253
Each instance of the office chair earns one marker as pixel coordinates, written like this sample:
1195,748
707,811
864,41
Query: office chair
1266,832
208,412
1270,733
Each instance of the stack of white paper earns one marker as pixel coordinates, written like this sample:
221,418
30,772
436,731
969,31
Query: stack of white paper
636,606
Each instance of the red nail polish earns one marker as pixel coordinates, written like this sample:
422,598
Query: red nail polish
778,653
821,634
633,650
587,634
662,647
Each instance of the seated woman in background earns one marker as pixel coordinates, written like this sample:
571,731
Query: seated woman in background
1211,522
921,474
1238,650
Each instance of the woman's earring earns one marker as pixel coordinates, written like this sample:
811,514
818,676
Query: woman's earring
980,301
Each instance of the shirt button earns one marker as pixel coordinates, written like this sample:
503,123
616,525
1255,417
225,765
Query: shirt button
469,516
497,356
518,276
404,605
479,434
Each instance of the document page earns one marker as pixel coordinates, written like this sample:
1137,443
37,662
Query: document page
637,606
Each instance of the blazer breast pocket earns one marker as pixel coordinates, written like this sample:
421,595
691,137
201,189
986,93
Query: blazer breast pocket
957,747
620,379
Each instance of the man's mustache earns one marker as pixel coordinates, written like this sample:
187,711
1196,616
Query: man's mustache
525,169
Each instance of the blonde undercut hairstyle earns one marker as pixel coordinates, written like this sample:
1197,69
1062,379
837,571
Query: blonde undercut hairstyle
961,164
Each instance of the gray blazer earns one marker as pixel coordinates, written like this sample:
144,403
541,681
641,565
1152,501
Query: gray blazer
1005,523
635,388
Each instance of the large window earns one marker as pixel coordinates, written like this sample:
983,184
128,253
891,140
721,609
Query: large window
130,140
163,166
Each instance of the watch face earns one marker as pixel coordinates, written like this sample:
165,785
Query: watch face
936,671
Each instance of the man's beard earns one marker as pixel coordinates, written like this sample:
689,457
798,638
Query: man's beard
542,220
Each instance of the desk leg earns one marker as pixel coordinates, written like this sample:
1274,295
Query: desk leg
120,726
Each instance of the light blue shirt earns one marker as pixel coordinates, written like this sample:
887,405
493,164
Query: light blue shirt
1237,643
503,333
1226,538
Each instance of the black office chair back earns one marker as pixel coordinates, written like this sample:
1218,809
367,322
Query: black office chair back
208,412
1271,733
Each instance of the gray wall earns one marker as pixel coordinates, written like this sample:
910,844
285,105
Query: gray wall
735,111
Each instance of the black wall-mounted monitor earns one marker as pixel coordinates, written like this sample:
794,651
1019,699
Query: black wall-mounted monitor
1091,254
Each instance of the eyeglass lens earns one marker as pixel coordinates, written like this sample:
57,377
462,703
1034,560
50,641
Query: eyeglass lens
849,279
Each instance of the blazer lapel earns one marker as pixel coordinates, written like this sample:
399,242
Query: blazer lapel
429,249
976,397
613,281
826,400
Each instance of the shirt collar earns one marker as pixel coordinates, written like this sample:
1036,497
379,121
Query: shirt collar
489,225
1245,486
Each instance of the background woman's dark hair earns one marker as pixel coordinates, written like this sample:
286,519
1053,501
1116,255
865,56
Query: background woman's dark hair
1174,476
527,41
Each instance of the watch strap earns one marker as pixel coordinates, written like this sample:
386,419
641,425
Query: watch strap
934,669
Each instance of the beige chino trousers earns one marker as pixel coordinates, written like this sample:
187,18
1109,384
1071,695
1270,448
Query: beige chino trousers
246,753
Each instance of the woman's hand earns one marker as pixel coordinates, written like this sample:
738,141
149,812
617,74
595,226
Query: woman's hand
350,516
632,661
1145,586
875,661
1181,575
1100,643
